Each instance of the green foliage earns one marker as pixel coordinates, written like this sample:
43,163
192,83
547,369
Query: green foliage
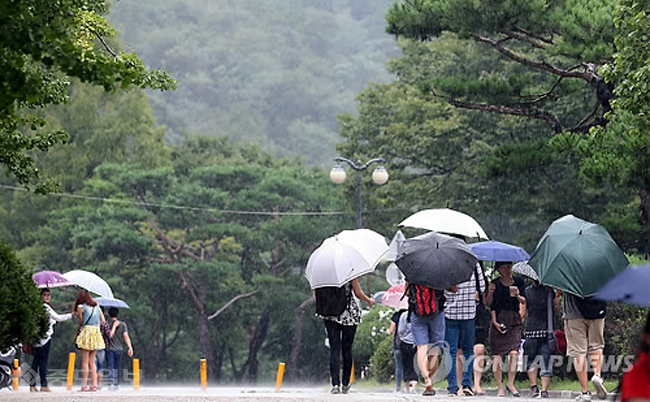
272,73
383,362
22,316
45,45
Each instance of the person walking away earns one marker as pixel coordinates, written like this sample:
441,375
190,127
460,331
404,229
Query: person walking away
426,314
635,386
407,347
341,329
460,312
89,338
505,299
584,327
397,353
540,304
118,340
41,349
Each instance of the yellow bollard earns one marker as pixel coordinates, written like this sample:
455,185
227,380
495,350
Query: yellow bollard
352,374
204,374
16,375
278,379
136,374
71,358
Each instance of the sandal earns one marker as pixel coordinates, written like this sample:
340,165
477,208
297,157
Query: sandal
93,388
83,389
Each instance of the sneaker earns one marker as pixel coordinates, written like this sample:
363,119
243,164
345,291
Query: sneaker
601,392
467,391
33,389
545,394
452,395
346,388
46,389
583,397
336,389
534,392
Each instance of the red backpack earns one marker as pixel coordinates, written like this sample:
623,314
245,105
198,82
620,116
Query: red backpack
425,301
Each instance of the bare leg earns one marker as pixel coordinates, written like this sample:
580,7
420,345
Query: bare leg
546,381
532,377
497,368
93,368
596,359
433,362
512,371
479,366
580,365
423,362
84,367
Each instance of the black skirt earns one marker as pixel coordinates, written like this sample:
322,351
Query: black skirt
501,344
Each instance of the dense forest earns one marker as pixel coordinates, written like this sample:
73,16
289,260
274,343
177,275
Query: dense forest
274,73
201,206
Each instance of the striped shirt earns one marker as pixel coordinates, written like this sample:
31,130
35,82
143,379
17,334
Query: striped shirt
462,304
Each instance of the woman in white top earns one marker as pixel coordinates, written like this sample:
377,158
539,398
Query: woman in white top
41,349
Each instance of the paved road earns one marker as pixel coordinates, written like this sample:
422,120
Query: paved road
183,394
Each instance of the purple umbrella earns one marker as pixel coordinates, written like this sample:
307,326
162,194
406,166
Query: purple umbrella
50,279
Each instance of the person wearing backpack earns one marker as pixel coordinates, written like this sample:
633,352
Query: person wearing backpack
426,306
584,326
407,349
341,326
119,338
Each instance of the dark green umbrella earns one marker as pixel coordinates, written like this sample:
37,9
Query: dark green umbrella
577,256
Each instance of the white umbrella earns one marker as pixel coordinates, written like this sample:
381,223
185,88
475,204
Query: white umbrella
395,246
393,275
89,281
344,257
522,268
445,220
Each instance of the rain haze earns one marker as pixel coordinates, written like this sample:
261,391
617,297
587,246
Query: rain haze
326,199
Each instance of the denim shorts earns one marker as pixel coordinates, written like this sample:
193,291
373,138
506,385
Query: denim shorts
430,330
538,355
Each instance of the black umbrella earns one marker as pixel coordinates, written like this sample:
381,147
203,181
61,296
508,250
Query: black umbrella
436,260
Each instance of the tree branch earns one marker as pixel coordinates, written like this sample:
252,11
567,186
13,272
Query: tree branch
556,126
534,35
234,299
534,43
544,66
195,300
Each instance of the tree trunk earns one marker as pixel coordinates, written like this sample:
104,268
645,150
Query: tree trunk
207,351
256,345
644,212
296,345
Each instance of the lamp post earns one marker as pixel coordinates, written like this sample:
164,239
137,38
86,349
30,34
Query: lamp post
379,177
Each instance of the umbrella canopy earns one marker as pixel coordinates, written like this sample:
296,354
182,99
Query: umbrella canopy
395,246
89,281
522,268
393,275
50,279
577,256
393,297
630,286
110,302
497,251
436,260
445,220
344,257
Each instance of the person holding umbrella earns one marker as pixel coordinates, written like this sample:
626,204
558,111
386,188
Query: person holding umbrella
89,339
340,334
41,349
505,299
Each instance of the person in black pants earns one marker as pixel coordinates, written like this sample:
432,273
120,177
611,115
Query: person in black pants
340,334
41,349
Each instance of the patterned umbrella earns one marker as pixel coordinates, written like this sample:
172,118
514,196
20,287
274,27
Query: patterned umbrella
50,279
393,297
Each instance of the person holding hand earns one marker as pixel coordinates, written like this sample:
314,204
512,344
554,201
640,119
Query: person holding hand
507,304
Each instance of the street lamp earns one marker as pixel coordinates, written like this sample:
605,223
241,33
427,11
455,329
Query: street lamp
379,177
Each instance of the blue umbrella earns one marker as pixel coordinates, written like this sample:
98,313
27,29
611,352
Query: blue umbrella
631,286
497,251
109,302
